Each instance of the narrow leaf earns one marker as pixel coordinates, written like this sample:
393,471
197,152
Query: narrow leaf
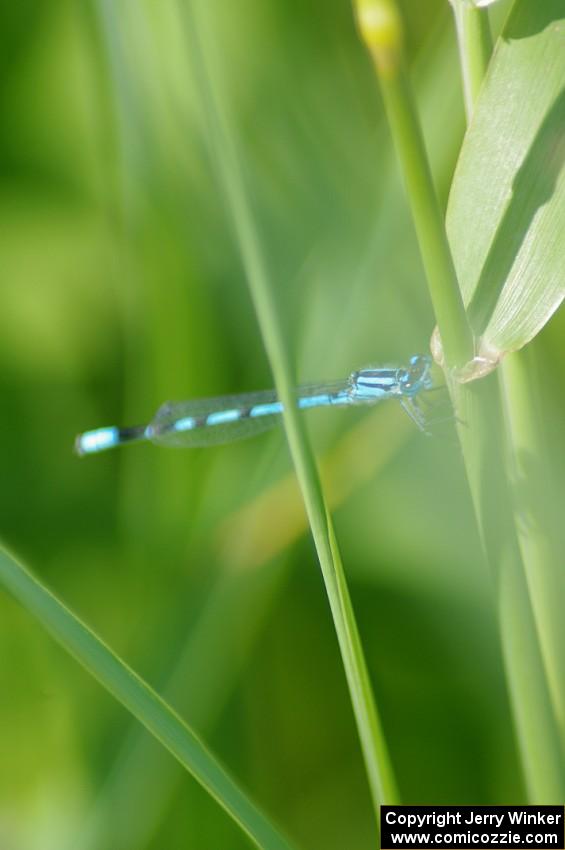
139,699
506,216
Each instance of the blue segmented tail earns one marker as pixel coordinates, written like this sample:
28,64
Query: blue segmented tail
102,439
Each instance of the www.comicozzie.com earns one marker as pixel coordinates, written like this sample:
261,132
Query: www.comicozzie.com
472,826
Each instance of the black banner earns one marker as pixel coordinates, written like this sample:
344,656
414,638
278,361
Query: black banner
472,827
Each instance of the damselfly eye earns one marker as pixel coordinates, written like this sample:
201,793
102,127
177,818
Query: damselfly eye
416,377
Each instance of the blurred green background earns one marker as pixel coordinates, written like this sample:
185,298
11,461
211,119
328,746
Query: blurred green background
121,287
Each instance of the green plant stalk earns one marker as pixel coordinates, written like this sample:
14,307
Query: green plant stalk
521,560
375,752
384,40
526,449
475,48
477,409
440,273
139,699
481,435
531,483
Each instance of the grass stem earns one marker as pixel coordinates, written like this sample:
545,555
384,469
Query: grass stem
477,405
475,48
482,439
380,28
139,699
533,496
520,560
221,140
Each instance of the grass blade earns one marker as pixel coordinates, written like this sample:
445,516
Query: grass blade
529,474
138,698
506,213
230,172
478,409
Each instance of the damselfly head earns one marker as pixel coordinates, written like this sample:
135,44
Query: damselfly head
417,375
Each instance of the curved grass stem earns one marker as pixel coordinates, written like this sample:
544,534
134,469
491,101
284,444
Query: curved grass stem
139,699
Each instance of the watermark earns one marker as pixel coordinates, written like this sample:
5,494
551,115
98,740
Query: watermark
475,827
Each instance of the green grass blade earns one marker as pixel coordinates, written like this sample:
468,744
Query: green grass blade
230,172
514,556
527,450
138,698
506,214
479,412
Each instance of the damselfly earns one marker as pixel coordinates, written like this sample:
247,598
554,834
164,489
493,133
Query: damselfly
208,421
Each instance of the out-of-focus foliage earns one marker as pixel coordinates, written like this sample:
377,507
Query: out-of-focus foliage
120,288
